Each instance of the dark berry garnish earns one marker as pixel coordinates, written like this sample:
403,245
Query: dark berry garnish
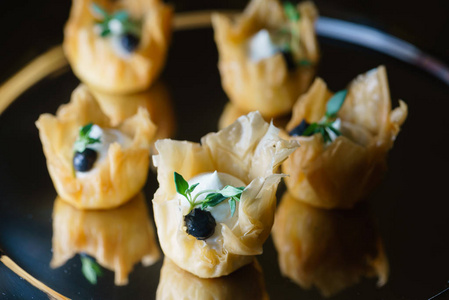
289,60
84,161
129,42
200,223
299,130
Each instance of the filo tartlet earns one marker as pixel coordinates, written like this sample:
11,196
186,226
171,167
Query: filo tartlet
266,83
340,173
247,152
117,175
96,55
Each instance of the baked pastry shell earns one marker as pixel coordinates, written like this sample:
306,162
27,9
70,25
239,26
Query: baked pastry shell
111,182
93,58
329,249
250,150
342,173
266,86
117,238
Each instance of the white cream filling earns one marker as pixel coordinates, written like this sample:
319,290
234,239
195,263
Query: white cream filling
261,46
107,137
221,212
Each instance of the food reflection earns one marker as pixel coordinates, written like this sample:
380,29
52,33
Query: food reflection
116,238
329,249
245,283
232,112
156,100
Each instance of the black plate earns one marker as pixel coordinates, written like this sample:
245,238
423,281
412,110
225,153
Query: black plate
410,206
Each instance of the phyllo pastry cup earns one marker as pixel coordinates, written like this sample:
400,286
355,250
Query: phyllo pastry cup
328,249
249,151
342,172
117,238
96,54
113,180
246,283
269,84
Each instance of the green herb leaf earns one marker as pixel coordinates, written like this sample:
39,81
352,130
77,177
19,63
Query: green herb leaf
291,12
181,184
230,191
191,188
311,130
335,103
232,206
304,63
212,200
99,11
121,15
84,139
128,25
91,270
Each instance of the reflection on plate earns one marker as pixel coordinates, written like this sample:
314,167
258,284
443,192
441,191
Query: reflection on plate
245,283
329,249
117,238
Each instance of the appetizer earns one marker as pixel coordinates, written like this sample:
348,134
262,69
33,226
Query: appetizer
267,56
345,139
246,283
118,46
215,203
329,249
117,238
94,165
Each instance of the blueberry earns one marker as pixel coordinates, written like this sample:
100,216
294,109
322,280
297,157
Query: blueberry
200,223
299,130
84,161
289,60
129,42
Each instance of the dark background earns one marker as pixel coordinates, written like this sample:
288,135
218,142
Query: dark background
415,234
30,27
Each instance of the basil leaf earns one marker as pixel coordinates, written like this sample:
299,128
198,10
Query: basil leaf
181,184
91,270
335,103
229,191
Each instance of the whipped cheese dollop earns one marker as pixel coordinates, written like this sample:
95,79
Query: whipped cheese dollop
214,181
106,136
261,46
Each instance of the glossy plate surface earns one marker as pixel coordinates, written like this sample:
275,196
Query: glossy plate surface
409,207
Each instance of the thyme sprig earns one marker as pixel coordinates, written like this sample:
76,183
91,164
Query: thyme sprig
118,23
293,45
213,197
326,127
84,139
